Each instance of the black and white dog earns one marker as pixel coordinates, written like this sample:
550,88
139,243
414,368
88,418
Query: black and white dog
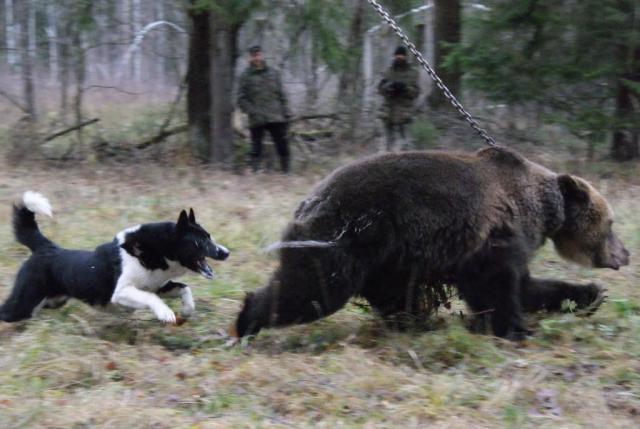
133,270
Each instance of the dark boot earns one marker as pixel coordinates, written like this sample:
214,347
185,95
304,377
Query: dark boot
255,164
284,164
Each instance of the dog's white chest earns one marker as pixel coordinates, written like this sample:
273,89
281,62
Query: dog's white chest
133,273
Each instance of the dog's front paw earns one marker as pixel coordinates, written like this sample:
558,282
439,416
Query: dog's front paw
188,305
188,308
166,315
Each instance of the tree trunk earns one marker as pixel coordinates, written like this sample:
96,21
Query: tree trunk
32,29
223,56
52,38
311,78
10,32
625,143
80,75
198,85
136,25
447,30
160,42
65,60
113,52
350,85
172,63
26,60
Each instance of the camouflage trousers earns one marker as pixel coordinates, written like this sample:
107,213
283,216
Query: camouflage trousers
278,132
397,137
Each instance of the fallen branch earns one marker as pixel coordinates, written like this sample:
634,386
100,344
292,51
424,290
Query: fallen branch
13,101
115,88
313,134
70,129
161,136
315,116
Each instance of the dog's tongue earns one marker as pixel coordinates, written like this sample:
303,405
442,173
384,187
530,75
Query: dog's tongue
205,269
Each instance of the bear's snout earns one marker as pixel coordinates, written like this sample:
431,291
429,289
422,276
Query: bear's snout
615,255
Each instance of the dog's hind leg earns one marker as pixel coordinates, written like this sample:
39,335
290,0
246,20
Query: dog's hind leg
28,295
54,302
179,290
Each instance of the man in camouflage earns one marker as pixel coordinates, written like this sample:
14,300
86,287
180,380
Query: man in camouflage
399,87
262,98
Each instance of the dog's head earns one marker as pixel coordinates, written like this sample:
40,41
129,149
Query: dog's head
194,245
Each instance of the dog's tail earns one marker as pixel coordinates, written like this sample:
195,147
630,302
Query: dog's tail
25,227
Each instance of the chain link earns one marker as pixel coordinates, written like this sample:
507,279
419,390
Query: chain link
425,64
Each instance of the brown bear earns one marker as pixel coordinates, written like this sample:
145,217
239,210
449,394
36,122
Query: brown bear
381,227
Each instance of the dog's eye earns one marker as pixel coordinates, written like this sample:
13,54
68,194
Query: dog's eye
197,244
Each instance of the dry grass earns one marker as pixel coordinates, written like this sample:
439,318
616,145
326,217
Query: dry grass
79,368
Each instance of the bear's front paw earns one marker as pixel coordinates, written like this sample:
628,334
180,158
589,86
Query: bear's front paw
518,334
479,323
592,298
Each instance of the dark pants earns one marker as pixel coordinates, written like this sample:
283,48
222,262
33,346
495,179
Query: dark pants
278,131
397,137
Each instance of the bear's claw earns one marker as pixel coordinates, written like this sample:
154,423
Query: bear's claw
600,298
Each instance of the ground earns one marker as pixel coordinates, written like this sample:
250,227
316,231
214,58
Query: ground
80,368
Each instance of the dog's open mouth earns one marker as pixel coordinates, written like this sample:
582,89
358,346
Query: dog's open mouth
204,269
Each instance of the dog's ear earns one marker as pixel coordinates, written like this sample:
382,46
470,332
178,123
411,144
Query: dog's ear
132,246
192,216
183,223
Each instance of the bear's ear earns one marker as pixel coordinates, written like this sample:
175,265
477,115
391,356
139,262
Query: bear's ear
248,297
573,188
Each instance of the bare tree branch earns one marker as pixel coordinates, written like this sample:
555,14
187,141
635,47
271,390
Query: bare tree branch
135,45
13,101
115,88
161,136
70,129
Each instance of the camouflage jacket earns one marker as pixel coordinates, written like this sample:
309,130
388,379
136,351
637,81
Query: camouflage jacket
399,87
261,96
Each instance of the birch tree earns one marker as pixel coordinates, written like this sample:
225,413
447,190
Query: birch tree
26,59
11,35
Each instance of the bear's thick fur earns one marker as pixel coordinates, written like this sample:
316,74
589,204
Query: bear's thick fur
394,222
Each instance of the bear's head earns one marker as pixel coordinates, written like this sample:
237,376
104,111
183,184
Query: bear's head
245,324
586,235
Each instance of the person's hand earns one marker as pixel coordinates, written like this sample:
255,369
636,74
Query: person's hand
399,87
386,84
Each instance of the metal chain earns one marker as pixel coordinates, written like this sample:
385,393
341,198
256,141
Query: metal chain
425,64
